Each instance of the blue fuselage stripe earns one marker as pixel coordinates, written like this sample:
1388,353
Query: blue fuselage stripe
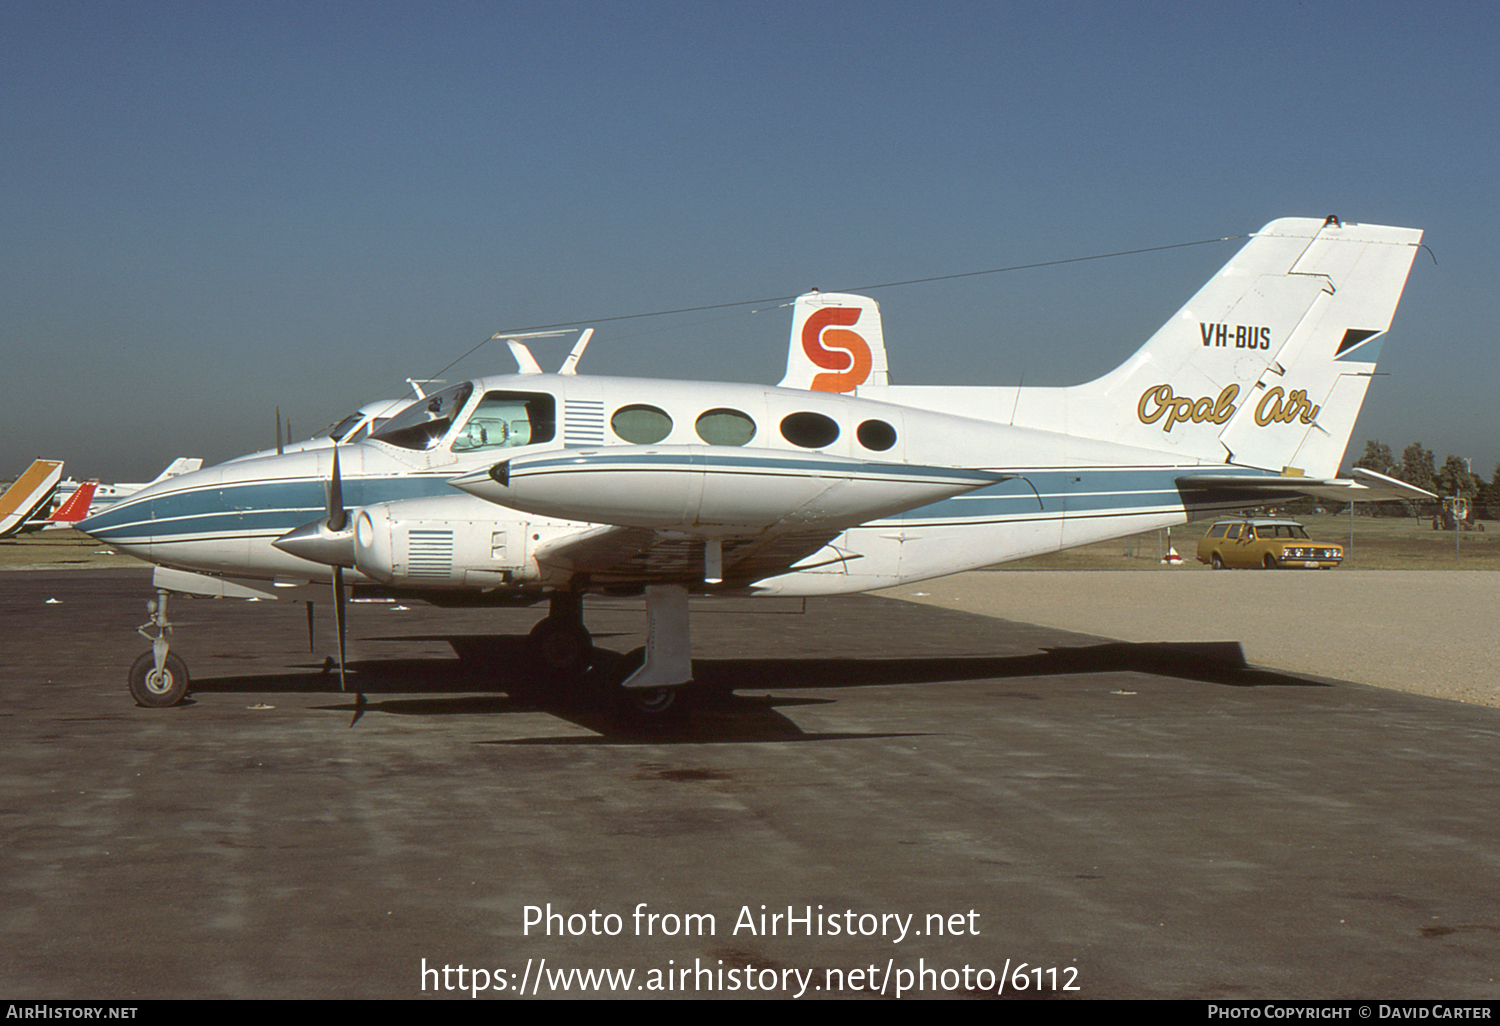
253,508
271,508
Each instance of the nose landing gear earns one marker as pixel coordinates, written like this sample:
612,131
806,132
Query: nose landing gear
158,678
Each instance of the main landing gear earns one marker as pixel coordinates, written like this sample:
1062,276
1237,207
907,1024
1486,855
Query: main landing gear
560,643
158,678
646,682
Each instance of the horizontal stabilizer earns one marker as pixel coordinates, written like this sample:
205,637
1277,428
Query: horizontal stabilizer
1362,486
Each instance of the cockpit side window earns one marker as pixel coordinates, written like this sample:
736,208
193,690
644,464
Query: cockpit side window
424,423
505,420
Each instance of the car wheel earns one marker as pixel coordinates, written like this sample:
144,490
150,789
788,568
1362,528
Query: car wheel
1216,562
1270,562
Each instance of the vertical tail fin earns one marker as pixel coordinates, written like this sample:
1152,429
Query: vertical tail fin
1268,364
837,344
186,465
76,507
29,494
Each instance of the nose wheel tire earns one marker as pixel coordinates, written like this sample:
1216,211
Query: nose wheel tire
158,689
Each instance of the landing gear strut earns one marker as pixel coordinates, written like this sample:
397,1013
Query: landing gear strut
158,678
653,692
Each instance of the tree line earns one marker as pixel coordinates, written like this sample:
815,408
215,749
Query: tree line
1418,466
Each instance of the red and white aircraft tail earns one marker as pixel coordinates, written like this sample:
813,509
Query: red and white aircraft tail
74,509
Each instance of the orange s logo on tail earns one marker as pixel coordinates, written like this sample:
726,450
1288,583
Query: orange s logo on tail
843,354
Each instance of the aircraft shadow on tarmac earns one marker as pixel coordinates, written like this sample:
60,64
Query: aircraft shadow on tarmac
496,675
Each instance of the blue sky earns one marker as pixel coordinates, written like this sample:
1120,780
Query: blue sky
214,209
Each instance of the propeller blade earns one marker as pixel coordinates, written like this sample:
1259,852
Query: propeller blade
279,448
338,618
338,516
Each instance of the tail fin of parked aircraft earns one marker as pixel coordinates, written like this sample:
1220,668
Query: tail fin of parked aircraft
1268,364
181,465
837,344
29,494
75,508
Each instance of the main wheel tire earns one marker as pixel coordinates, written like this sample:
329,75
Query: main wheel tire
158,690
563,650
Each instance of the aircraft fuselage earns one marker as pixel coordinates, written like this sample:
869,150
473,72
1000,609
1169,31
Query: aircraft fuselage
222,520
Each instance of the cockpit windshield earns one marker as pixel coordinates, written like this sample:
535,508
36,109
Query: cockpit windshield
424,423
343,427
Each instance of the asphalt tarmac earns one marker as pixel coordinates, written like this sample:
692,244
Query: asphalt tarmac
943,801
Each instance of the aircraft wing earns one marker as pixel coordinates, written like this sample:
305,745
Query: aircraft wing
1361,486
696,512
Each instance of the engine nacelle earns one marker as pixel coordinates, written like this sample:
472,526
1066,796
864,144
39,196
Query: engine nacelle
395,543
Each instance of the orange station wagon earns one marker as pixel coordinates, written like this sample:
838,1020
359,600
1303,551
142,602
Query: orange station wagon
1265,544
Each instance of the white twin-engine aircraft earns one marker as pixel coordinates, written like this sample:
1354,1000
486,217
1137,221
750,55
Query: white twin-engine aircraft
513,488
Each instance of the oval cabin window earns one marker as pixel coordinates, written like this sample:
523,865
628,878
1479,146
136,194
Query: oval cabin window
641,424
725,427
876,435
809,430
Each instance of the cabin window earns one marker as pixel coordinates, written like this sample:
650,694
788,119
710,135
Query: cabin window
876,435
641,424
809,430
725,427
424,423
505,420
